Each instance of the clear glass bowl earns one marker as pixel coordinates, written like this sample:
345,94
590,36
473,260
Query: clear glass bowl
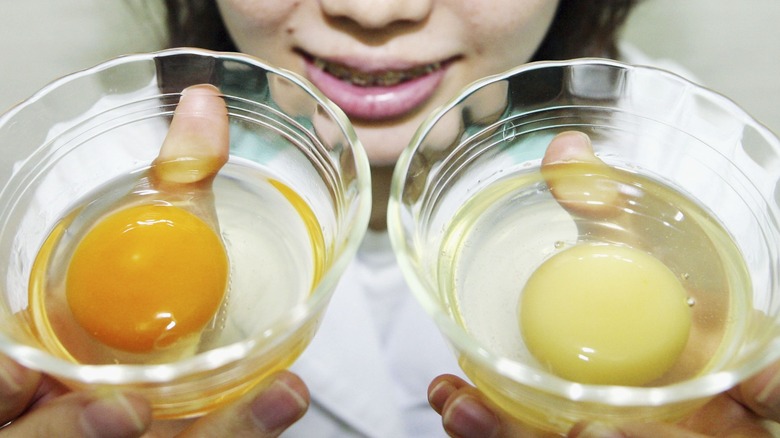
467,234
289,145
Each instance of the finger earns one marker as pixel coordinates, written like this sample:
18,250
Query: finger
579,180
197,144
761,393
441,388
18,386
91,415
466,413
48,389
265,412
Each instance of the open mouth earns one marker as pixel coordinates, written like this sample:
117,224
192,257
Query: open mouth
386,78
375,93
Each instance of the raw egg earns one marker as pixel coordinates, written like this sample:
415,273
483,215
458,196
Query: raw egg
146,276
605,314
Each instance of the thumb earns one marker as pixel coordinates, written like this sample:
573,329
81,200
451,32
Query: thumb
197,143
582,183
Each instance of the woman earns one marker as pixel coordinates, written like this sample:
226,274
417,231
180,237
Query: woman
387,64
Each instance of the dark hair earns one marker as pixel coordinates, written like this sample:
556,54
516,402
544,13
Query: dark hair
580,28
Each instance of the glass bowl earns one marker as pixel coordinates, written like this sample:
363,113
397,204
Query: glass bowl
471,217
292,203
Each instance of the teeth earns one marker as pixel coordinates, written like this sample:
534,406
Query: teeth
382,79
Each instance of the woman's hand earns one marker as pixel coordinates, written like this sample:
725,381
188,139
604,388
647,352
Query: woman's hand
33,405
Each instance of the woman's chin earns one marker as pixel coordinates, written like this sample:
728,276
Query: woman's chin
383,144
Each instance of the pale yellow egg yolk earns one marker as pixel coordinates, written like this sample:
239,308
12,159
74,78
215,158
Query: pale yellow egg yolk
146,276
605,314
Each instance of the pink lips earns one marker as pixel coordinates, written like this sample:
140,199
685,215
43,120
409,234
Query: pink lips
375,102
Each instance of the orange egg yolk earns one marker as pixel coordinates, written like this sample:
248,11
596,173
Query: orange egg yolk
146,276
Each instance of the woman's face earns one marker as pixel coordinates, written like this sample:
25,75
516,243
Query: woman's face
389,63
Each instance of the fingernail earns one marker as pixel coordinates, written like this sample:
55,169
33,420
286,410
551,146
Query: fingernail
467,417
278,406
570,146
201,89
599,430
439,394
114,416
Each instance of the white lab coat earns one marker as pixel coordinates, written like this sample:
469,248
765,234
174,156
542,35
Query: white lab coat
369,366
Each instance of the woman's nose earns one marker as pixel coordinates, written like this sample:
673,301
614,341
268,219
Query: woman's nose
377,13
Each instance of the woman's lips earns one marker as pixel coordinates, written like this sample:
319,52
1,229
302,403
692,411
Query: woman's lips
378,95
